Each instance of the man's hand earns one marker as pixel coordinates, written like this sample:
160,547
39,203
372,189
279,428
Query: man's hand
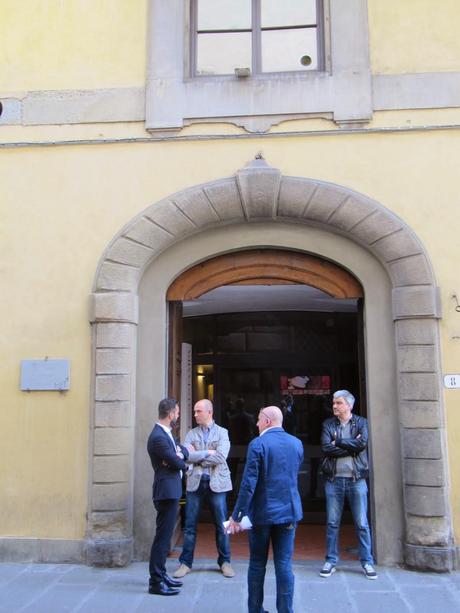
179,452
211,451
191,448
233,526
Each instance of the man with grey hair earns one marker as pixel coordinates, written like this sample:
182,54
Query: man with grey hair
344,440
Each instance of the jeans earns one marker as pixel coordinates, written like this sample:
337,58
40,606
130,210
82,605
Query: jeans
356,493
217,502
282,538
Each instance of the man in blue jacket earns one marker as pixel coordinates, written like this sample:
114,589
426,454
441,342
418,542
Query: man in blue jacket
269,496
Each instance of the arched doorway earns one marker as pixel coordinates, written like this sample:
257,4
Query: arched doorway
261,327
261,208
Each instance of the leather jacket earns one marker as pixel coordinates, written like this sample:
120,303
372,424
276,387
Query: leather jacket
334,447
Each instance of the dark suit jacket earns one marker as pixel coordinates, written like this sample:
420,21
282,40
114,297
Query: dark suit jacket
167,483
268,492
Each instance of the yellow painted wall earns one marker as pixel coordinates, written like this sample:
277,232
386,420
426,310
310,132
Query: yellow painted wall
62,205
72,44
414,36
84,44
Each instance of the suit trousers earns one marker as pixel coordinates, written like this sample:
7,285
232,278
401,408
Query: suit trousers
166,520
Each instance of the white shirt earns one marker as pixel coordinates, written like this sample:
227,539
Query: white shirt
267,429
168,432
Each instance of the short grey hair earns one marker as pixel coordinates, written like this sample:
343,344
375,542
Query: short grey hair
350,399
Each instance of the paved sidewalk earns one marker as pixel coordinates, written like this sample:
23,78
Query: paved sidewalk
59,588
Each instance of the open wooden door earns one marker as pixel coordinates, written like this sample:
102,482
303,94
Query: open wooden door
175,349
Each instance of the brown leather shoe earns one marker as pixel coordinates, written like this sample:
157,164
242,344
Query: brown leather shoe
181,571
227,570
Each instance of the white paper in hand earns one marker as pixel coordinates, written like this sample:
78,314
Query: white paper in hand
245,524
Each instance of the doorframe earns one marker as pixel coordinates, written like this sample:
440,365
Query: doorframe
259,193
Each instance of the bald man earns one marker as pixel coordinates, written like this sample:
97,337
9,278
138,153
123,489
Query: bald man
208,481
269,496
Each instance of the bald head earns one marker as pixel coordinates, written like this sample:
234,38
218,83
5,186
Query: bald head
202,412
269,417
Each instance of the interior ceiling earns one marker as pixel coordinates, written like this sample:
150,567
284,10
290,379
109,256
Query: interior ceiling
243,298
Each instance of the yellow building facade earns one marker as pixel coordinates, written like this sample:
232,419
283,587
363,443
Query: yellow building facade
120,170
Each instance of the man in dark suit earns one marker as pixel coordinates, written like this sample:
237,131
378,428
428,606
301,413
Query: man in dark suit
168,463
269,496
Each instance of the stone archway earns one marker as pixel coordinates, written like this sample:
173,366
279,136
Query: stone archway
259,193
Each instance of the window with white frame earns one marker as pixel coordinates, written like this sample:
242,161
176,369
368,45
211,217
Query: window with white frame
255,36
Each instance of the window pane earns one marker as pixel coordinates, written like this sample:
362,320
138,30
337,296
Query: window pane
284,49
222,53
288,12
224,14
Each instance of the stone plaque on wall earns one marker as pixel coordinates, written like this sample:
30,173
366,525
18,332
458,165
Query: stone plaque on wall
42,375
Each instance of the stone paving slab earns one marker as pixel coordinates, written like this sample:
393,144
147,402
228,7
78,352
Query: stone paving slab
69,588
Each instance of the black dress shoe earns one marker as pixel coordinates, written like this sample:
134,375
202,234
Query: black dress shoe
170,582
162,589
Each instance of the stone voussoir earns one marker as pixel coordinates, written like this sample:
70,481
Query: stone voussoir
425,501
414,414
197,207
413,270
114,335
113,361
111,469
113,414
259,186
417,301
113,387
353,210
294,196
168,216
110,496
325,201
401,244
427,531
225,198
114,306
376,226
419,386
145,231
417,358
419,443
416,331
118,277
424,472
109,523
112,441
125,251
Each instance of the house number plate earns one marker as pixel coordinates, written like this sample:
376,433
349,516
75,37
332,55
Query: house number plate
452,381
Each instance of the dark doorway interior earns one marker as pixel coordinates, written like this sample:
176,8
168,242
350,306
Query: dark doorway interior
246,360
